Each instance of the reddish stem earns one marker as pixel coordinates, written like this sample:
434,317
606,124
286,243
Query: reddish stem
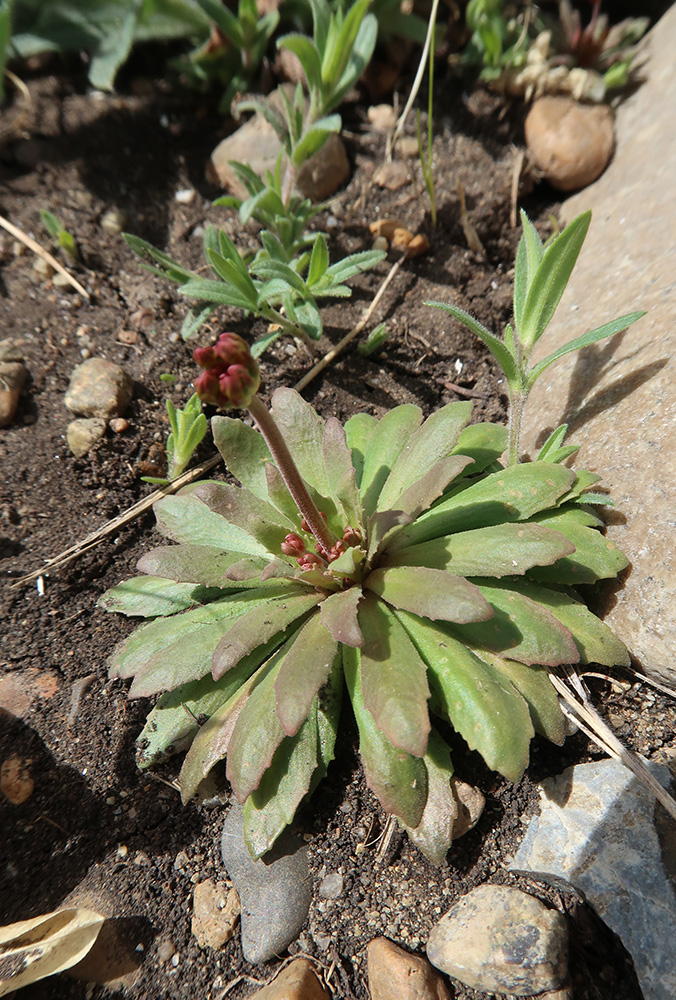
290,474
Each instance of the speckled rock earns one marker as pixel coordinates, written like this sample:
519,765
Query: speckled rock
215,912
99,388
82,434
619,397
499,939
274,892
599,828
570,143
298,981
13,375
395,974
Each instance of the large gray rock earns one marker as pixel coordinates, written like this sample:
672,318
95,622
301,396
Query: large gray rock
274,892
499,939
619,397
597,829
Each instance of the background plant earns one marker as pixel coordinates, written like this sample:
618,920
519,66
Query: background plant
188,427
395,560
57,231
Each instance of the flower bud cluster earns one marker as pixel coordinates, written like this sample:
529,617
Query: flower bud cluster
293,545
231,377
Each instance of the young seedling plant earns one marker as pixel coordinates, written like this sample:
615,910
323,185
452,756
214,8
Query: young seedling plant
393,563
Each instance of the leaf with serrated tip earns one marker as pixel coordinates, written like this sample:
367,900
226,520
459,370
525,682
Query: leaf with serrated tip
338,614
430,593
244,452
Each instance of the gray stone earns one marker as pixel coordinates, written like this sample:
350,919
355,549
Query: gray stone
499,939
99,388
619,397
331,886
597,829
274,892
257,144
82,434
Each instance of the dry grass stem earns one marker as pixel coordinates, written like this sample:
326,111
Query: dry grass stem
29,242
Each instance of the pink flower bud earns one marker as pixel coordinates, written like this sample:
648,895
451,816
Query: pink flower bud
293,545
352,536
309,560
230,378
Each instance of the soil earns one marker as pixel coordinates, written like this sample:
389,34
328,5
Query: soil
94,825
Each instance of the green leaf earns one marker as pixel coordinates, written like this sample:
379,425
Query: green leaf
359,58
259,625
528,258
484,443
338,614
354,264
434,832
199,564
431,443
149,597
184,518
303,430
340,45
358,432
430,593
497,551
216,292
600,333
521,628
230,272
319,260
169,268
386,443
307,666
393,679
596,643
594,558
340,474
314,138
306,50
225,20
512,494
489,714
238,505
550,280
497,347
272,806
397,778
533,684
244,452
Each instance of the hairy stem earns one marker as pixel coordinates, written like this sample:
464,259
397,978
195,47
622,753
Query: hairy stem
290,474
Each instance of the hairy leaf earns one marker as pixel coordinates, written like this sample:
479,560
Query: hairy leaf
244,452
303,431
358,431
594,557
430,593
338,614
340,473
150,597
185,519
534,685
307,666
385,445
201,564
484,443
489,714
393,678
237,504
397,778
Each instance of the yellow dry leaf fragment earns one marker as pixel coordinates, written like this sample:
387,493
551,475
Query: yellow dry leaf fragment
33,949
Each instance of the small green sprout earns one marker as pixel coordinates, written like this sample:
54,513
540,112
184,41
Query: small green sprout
58,232
188,427
392,561
374,341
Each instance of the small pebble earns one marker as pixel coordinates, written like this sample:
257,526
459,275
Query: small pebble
165,949
114,221
118,425
185,196
380,243
331,887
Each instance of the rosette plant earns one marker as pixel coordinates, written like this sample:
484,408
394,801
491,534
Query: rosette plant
393,563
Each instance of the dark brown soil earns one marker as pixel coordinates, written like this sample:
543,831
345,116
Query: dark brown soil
94,823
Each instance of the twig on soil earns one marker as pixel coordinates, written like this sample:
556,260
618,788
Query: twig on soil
655,684
77,692
579,709
28,241
514,195
117,522
342,344
461,391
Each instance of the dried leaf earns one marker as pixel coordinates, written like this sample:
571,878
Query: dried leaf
32,949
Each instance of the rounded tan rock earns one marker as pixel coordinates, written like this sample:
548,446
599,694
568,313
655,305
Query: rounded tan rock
395,974
571,143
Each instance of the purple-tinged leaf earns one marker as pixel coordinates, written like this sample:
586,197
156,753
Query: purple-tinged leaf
307,666
595,642
237,504
338,614
187,520
149,597
489,714
513,494
212,742
434,832
358,431
397,778
534,685
385,445
258,626
244,451
278,569
272,806
340,473
171,651
430,593
393,678
426,448
521,628
303,431
199,564
501,550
